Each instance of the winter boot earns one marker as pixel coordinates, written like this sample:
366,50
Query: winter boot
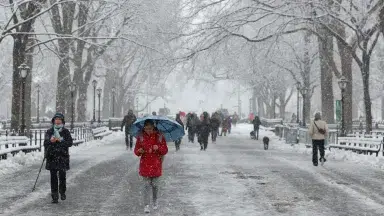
63,196
155,205
55,198
322,161
146,209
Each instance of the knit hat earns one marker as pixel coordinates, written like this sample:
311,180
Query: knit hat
60,116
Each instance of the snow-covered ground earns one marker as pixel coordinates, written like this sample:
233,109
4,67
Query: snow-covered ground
236,176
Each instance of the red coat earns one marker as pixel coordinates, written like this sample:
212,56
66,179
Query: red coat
151,160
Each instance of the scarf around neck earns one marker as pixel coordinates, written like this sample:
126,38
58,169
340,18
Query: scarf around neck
56,130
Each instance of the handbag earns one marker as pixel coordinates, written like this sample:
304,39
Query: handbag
321,130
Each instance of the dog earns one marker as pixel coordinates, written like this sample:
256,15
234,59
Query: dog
266,142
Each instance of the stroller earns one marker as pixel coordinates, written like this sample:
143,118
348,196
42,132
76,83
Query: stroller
253,135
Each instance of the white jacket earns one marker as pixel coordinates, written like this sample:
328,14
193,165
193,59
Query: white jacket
314,132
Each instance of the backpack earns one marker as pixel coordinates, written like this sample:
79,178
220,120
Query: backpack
321,130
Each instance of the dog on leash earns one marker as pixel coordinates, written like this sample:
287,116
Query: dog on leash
266,142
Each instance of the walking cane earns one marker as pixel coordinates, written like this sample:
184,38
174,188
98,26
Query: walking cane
34,186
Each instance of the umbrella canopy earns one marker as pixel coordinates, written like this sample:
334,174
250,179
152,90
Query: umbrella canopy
171,129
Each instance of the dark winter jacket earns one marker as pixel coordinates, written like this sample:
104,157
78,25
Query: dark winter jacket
192,122
128,122
57,154
215,122
256,123
204,127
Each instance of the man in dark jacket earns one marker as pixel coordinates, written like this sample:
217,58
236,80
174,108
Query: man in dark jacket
204,128
178,142
256,126
128,121
192,123
215,124
57,141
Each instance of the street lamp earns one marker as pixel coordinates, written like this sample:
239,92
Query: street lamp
343,85
94,83
99,95
304,92
72,88
298,87
23,73
38,104
113,101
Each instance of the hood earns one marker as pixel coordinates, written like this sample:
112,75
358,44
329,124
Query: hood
60,116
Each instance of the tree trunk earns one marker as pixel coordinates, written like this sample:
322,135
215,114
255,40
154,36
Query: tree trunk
346,67
18,59
325,53
282,106
63,77
307,76
260,105
81,103
108,84
367,98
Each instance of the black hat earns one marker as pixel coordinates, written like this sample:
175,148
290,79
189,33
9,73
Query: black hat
60,116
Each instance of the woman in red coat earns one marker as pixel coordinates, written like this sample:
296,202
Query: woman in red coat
150,147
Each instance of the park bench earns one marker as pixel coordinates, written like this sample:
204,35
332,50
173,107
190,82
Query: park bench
359,145
15,144
99,133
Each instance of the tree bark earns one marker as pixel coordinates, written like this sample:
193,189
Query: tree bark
326,78
18,59
367,98
346,67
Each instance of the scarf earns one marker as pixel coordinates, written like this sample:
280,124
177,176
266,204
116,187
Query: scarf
56,131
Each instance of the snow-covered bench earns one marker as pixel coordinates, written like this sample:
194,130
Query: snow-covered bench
360,145
14,144
99,133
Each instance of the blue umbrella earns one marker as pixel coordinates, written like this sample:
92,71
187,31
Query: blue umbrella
171,129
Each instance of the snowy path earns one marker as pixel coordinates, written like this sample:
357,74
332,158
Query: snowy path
233,177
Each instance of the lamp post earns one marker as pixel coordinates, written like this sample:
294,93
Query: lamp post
38,104
113,101
94,83
99,95
304,92
298,87
343,85
23,73
72,88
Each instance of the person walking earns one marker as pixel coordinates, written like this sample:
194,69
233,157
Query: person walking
178,142
128,121
192,123
57,141
150,147
224,125
204,129
318,130
215,124
256,126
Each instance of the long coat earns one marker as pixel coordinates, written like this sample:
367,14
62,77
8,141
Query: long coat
57,154
151,160
128,122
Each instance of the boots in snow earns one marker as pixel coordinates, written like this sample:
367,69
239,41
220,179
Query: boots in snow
55,198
